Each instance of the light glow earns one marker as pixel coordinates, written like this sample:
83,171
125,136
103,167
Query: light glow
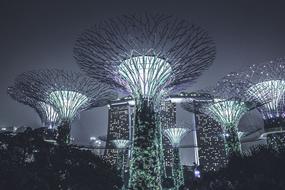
175,135
145,75
50,113
228,112
269,90
67,102
120,143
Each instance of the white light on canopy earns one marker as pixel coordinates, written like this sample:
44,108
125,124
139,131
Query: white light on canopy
268,90
67,102
50,113
145,75
120,143
228,112
175,135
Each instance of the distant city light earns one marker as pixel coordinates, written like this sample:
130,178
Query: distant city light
197,173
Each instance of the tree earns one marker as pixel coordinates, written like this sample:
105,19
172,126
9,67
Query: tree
28,162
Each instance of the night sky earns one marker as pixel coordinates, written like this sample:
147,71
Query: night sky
41,34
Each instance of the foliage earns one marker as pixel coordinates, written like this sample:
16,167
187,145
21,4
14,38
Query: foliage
28,162
261,169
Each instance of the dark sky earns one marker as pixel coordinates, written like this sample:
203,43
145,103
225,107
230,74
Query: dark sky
41,34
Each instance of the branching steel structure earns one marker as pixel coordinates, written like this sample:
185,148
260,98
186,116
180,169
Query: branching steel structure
175,135
145,56
266,83
68,92
227,108
48,115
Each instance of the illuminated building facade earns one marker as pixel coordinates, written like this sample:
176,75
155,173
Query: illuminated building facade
208,135
212,153
168,120
120,122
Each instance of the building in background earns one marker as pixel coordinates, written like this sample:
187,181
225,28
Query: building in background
208,133
168,120
120,124
212,153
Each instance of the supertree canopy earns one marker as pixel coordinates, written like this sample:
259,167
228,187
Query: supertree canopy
227,108
121,143
266,83
68,92
46,112
175,135
145,55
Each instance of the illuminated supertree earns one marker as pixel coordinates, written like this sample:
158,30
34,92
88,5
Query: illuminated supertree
46,112
175,135
121,145
68,92
266,82
227,108
145,56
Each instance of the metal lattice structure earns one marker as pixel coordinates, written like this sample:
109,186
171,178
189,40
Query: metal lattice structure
68,92
175,135
266,83
227,108
145,56
121,143
48,115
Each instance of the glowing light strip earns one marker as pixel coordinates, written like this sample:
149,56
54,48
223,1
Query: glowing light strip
145,75
175,135
67,102
269,90
228,113
50,113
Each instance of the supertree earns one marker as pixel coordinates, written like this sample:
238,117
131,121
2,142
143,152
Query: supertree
146,56
175,135
68,92
266,83
121,145
227,107
46,112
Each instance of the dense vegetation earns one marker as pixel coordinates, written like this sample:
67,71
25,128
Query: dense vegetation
27,162
262,169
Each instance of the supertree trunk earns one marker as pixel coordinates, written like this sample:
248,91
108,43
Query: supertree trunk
276,140
232,141
145,166
121,165
178,177
64,132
